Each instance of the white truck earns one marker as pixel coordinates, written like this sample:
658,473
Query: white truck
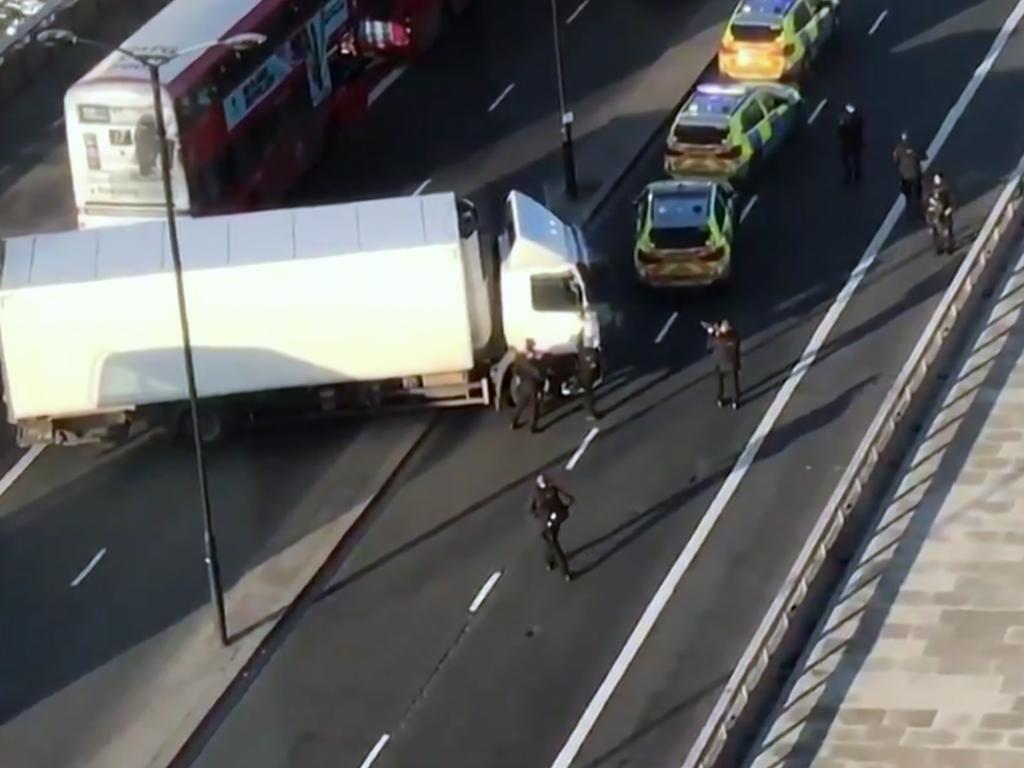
319,309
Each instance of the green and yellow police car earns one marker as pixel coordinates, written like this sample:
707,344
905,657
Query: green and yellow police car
684,231
776,39
725,130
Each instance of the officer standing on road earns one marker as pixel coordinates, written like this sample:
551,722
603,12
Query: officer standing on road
529,385
908,165
588,369
549,504
724,344
939,214
851,143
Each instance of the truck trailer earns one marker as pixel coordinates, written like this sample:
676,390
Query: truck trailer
325,309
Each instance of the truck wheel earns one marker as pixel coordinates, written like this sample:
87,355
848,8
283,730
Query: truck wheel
512,389
211,425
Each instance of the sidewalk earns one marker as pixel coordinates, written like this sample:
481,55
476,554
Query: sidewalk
920,658
139,708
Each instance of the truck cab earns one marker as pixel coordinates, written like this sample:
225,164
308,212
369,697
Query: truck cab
544,295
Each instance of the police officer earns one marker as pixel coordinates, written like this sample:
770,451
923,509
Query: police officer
724,344
908,165
549,505
529,383
939,214
851,143
588,369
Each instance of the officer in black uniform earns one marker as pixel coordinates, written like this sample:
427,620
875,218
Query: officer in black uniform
908,161
549,505
588,369
851,143
939,214
724,345
529,383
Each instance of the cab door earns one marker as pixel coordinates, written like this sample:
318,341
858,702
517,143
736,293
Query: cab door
780,116
755,128
805,25
827,14
725,213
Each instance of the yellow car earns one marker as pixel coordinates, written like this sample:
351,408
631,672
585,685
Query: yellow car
726,130
776,39
684,232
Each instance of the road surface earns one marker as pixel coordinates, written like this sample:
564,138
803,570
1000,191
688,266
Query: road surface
391,664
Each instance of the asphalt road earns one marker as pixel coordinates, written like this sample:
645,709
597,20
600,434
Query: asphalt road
137,504
391,647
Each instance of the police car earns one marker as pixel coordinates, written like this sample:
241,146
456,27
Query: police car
684,231
776,39
724,130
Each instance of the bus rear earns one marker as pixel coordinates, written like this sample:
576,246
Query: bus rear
114,152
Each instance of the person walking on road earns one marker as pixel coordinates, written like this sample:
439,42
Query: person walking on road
529,385
908,165
851,143
724,345
549,505
939,214
588,370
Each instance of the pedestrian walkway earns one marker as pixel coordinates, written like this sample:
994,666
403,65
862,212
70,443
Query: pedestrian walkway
919,661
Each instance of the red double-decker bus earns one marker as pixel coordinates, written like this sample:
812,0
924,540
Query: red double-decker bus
244,126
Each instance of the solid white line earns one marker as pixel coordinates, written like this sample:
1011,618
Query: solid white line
664,329
375,752
817,111
485,590
748,208
579,9
750,451
421,187
19,467
583,447
383,85
501,98
878,22
88,569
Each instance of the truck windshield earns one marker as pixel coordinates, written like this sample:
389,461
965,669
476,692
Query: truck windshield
555,293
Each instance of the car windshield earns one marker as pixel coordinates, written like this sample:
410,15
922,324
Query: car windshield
700,134
755,33
679,220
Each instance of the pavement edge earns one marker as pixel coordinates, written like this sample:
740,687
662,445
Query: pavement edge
584,212
186,747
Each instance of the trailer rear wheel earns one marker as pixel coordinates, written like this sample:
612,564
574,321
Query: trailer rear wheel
212,425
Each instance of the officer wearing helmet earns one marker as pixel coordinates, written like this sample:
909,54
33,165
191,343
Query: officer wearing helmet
907,160
528,382
851,143
939,214
724,346
549,505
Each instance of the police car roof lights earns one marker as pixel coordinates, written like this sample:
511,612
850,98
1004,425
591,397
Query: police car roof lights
767,7
716,89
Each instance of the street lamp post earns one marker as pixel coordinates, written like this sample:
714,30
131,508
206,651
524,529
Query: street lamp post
568,158
152,63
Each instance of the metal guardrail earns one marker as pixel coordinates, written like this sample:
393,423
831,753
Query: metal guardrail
773,628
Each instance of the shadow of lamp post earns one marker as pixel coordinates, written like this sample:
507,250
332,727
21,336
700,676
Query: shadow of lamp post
152,62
